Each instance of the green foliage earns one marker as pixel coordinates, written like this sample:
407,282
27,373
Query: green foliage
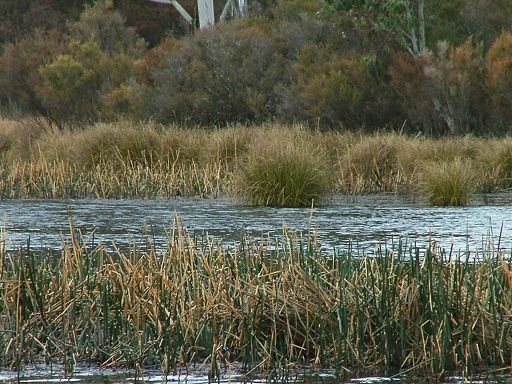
283,173
91,79
325,89
398,17
19,74
106,27
448,182
293,9
333,89
73,82
69,88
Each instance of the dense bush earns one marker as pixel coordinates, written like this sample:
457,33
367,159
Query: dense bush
19,74
221,75
330,88
499,79
295,61
72,76
443,92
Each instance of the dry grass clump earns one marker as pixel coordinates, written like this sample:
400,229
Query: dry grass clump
18,136
267,304
285,170
180,145
119,142
447,149
372,164
293,160
228,144
496,165
448,182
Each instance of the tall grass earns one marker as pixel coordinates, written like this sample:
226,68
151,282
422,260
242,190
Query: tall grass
289,173
267,304
448,183
277,163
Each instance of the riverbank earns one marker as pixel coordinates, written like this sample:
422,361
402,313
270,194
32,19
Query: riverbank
128,160
267,304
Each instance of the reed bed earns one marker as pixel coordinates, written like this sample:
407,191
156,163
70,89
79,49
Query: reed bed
144,160
262,304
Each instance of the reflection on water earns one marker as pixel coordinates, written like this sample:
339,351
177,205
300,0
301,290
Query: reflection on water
90,375
362,220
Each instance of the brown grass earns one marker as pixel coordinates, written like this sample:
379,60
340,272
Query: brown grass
210,161
266,304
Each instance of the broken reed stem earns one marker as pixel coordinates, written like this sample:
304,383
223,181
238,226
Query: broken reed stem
267,304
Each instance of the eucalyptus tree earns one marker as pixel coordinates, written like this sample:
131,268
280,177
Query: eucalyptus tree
404,18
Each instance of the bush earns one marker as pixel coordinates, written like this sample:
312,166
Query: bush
19,74
443,92
70,85
448,182
334,89
105,26
227,74
499,78
280,172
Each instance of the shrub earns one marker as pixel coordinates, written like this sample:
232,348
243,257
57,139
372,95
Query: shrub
227,74
443,92
462,100
285,173
19,74
106,27
448,182
499,78
411,87
69,89
332,89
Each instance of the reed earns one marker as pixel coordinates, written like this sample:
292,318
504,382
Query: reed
267,304
272,163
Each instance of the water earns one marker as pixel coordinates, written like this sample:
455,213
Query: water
367,221
111,376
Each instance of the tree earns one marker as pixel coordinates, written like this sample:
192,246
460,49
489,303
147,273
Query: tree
403,18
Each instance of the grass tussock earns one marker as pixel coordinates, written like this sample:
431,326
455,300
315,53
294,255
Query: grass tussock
448,183
285,173
266,304
371,164
269,165
496,166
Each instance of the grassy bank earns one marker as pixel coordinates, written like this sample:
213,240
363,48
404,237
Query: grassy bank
146,160
271,304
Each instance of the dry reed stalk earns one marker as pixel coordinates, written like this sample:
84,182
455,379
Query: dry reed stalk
268,303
